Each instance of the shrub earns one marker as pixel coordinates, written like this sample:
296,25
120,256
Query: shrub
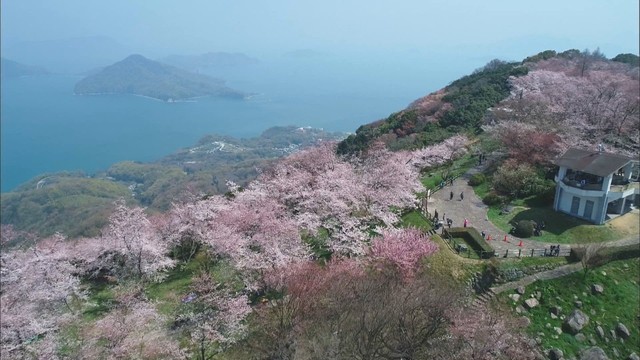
477,179
524,228
474,239
493,198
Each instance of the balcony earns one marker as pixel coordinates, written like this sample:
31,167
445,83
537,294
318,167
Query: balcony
579,189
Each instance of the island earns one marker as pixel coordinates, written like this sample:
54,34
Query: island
13,69
138,75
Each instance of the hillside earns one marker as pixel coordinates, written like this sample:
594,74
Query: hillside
323,256
138,75
594,98
12,69
77,205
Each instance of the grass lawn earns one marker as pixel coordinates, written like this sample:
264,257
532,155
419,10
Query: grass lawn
447,264
620,302
560,228
415,219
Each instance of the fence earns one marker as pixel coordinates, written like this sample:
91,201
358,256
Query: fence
468,252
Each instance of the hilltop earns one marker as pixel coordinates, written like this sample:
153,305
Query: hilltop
582,97
138,75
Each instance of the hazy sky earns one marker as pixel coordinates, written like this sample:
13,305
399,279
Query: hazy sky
502,27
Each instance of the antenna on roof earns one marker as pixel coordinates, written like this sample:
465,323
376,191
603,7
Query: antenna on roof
600,148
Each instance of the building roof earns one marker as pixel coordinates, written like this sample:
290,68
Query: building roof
592,162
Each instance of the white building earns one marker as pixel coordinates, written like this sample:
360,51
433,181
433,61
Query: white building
592,184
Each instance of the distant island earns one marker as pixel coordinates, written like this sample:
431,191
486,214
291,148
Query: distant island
13,69
210,60
138,75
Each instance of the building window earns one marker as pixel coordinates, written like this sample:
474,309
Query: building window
588,209
575,205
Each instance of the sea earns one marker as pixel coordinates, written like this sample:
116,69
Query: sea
46,128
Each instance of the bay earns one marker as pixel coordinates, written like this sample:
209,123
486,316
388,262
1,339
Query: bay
46,128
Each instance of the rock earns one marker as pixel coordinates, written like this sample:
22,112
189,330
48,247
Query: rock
604,273
555,354
613,334
597,289
592,312
633,356
622,331
556,310
520,290
553,316
578,304
600,331
616,354
525,321
539,341
531,303
575,322
514,297
580,337
593,353
520,309
562,317
557,330
547,325
538,295
592,341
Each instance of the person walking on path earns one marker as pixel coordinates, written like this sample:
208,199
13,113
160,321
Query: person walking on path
451,196
465,222
461,196
428,193
435,215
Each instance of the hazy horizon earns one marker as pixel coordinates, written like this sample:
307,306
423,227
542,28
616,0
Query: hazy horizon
419,29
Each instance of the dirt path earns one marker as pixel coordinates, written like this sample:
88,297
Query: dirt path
544,275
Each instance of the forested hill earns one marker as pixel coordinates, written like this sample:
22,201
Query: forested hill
138,75
467,104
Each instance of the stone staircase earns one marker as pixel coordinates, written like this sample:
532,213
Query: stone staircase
481,300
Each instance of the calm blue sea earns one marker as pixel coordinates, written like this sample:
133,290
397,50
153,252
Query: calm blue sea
45,128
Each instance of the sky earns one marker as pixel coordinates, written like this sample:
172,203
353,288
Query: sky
504,28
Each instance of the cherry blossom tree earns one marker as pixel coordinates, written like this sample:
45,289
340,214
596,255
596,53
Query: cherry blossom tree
403,249
130,233
39,286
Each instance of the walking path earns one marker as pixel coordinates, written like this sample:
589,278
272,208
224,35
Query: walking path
544,275
475,211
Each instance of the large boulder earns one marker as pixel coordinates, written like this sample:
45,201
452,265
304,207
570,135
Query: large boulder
593,353
597,289
634,356
622,331
575,322
555,354
531,303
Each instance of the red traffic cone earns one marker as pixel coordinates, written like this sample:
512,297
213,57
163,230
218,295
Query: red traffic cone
520,244
505,239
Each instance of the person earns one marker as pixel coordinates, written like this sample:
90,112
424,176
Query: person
461,196
435,215
443,216
465,222
557,249
429,194
483,234
451,196
449,223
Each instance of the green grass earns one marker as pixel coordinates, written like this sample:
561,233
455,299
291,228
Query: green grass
446,264
619,303
415,219
560,228
470,253
101,299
